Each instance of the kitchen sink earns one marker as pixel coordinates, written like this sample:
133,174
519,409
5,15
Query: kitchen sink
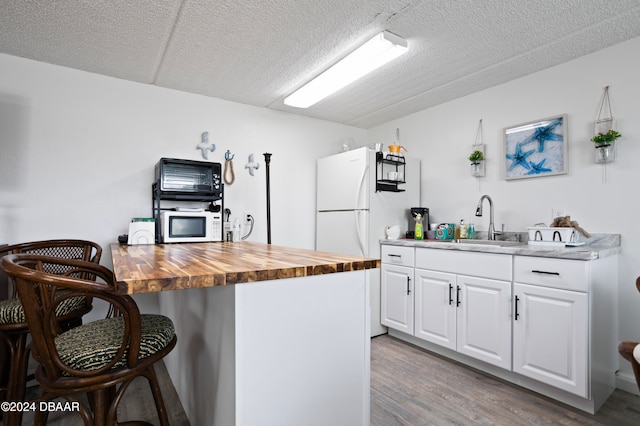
485,242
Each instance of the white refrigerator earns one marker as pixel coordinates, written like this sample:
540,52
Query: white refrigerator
352,216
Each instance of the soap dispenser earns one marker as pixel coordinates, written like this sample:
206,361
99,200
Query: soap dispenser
463,230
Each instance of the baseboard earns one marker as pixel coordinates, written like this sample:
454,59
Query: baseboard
627,382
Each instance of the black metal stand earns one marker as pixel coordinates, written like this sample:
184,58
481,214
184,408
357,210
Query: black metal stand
267,162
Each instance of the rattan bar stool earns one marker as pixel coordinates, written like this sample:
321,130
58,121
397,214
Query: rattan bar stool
630,350
14,356
100,358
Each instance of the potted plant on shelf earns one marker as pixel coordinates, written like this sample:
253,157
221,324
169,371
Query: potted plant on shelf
605,146
477,163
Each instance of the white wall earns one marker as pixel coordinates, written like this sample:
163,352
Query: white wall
78,152
603,199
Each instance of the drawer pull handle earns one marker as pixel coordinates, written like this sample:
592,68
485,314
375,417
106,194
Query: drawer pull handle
535,271
394,255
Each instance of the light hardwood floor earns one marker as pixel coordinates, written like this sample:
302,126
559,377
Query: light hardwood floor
411,387
137,404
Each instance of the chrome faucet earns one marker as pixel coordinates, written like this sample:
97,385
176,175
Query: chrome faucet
492,232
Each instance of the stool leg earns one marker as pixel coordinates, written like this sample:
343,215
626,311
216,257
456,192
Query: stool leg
626,350
5,366
100,399
157,396
17,376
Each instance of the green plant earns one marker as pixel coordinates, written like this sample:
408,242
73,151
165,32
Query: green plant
604,138
476,156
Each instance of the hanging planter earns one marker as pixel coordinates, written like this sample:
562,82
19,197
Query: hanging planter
605,145
477,163
605,137
477,156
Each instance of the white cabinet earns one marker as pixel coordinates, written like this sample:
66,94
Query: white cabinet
484,320
435,319
469,314
551,322
397,297
548,324
397,288
550,341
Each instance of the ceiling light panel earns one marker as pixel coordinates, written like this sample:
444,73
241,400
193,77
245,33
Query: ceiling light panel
373,54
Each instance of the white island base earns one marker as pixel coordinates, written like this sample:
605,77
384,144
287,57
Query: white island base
283,352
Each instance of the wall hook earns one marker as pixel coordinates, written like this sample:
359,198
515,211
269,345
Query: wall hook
252,165
228,166
205,147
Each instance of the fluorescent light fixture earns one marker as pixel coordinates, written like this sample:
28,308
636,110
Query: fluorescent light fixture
376,52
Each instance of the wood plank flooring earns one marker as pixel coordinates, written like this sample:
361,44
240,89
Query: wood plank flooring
137,404
413,387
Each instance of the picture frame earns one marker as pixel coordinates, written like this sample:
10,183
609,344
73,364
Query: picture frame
536,148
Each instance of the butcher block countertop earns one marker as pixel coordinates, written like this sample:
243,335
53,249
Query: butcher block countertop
160,267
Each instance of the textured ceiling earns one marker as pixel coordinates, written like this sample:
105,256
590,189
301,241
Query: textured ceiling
258,52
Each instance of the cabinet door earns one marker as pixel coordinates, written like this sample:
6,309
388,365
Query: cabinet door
550,336
484,320
397,297
436,307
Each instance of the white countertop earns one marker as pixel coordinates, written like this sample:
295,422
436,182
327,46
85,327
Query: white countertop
598,246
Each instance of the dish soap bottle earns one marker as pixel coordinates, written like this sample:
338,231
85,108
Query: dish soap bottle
463,230
418,234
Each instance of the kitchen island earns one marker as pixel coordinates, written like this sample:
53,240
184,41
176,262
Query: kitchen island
266,334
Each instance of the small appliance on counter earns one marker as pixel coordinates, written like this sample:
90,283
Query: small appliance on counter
142,230
178,180
183,226
414,212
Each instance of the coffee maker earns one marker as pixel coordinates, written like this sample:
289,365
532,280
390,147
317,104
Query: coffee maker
424,213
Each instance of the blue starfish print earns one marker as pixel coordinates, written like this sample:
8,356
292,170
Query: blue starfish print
536,169
519,158
544,133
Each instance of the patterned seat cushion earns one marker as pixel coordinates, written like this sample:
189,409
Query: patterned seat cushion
11,311
92,346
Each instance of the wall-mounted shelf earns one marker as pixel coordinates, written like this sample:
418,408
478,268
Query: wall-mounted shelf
390,172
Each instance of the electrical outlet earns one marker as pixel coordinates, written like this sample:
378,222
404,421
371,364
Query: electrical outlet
246,217
557,212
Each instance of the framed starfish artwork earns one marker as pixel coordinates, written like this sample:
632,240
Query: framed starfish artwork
537,148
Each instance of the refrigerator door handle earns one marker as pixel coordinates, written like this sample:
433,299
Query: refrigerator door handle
362,180
357,212
360,242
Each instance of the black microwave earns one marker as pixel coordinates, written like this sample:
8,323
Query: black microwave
176,177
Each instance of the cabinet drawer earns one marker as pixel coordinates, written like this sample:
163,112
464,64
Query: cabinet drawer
397,255
554,273
486,265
